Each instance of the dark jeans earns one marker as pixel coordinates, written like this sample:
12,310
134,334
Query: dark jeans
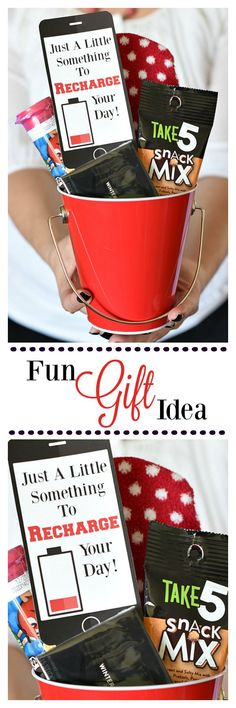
213,329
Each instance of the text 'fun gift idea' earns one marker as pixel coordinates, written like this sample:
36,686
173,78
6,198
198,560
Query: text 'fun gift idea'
87,85
74,534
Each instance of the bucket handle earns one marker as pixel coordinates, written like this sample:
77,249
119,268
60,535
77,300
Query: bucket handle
89,296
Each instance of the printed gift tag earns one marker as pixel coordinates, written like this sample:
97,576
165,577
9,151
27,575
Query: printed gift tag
75,537
87,85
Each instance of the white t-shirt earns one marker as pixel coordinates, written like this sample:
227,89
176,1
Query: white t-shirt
198,40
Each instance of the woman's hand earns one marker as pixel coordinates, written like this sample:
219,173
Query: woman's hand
175,316
67,296
178,312
70,304
212,195
42,201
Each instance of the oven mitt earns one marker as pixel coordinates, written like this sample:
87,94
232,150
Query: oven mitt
142,58
150,492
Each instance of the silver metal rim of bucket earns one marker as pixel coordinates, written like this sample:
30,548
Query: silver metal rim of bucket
129,688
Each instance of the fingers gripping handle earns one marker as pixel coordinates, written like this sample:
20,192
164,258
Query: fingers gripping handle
85,296
88,295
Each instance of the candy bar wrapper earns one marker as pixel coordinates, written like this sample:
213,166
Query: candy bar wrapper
74,534
118,652
39,122
174,127
21,611
117,175
186,600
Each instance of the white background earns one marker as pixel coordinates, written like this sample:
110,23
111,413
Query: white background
190,376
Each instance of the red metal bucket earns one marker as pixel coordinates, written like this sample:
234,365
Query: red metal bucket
205,689
128,254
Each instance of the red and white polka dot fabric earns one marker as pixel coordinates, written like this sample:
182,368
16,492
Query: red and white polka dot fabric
150,492
141,59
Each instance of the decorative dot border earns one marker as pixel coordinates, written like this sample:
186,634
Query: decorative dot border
123,348
81,433
117,433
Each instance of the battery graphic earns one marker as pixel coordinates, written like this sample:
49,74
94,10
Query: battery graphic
60,582
77,123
